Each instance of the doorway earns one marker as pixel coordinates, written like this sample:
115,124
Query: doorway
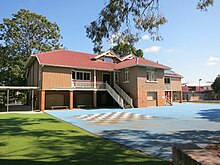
106,78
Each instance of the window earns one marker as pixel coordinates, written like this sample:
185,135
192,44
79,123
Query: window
126,79
151,96
79,75
86,76
107,59
151,75
116,77
167,80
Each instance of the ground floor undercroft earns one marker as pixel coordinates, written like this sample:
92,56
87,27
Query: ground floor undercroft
51,99
86,99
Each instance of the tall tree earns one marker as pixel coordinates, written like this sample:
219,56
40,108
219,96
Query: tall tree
25,34
123,49
216,85
126,18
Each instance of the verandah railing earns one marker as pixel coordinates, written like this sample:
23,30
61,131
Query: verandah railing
89,85
101,85
116,97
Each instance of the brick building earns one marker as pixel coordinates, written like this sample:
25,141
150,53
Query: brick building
81,80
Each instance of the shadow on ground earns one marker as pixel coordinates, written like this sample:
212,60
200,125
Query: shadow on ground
41,139
15,108
211,114
160,145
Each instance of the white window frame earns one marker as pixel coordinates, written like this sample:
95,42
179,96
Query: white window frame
116,76
152,75
151,97
126,75
83,77
167,78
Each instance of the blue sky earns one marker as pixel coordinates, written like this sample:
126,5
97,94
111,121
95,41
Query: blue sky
191,44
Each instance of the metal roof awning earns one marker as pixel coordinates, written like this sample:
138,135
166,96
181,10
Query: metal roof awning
8,88
18,88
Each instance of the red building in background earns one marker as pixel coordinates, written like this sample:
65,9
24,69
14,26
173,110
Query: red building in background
197,91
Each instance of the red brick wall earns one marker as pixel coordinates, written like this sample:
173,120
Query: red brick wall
137,87
144,86
130,87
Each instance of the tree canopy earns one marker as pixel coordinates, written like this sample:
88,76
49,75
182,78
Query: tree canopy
24,34
216,85
126,18
123,49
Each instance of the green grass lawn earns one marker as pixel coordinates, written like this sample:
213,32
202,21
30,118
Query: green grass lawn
42,139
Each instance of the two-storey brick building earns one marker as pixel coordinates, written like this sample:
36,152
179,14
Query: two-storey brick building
77,80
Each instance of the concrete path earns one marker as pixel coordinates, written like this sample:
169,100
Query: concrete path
151,130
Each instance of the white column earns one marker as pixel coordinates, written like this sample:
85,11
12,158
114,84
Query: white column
7,100
95,79
32,100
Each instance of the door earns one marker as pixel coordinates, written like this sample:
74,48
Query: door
106,78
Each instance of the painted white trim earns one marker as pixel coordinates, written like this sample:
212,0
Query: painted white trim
108,53
78,67
94,78
118,77
76,71
75,89
126,72
129,57
132,65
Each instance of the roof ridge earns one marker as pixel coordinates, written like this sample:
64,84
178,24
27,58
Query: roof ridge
45,52
64,51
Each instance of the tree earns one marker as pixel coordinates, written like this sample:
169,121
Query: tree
126,18
25,34
124,49
216,85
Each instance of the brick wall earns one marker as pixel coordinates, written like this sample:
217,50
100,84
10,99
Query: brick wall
130,87
144,86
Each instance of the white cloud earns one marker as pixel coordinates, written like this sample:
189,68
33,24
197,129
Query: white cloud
213,60
145,37
152,49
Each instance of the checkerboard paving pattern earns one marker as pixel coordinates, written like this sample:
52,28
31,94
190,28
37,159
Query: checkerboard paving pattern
113,117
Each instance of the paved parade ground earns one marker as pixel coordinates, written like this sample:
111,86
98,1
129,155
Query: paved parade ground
150,130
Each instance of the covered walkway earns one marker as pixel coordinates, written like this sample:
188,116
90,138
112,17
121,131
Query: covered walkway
18,88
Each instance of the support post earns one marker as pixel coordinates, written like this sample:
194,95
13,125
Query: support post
181,96
71,100
95,99
42,100
32,100
7,100
94,79
171,96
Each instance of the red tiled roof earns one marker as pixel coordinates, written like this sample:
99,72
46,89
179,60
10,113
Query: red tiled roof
170,73
74,59
140,62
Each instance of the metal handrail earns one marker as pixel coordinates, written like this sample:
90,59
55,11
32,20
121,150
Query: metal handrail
168,100
115,96
124,95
